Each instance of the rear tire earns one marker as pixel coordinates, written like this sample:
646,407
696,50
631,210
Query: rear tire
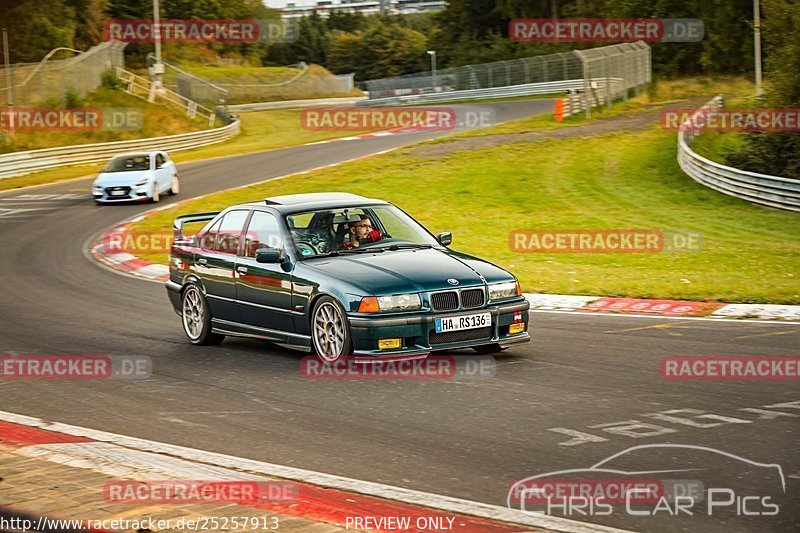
486,349
330,331
196,318
175,188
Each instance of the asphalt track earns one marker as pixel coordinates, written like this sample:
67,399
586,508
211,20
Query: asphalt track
469,438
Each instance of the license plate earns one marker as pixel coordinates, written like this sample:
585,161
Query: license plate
456,323
117,193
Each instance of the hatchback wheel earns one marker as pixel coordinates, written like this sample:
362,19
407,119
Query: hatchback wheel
330,331
155,195
196,318
175,188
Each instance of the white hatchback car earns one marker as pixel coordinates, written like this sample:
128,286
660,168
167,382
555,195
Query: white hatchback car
136,177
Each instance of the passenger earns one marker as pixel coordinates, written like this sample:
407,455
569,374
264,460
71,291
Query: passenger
362,232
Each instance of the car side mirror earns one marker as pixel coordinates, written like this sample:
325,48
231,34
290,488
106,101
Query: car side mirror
269,255
445,239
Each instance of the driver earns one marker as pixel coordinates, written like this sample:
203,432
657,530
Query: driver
362,232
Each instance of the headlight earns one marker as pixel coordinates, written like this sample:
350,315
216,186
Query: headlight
498,291
397,302
97,185
143,182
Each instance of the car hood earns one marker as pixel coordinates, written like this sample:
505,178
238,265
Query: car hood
401,271
129,178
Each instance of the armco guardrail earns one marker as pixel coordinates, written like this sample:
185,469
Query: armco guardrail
762,189
290,104
527,89
20,163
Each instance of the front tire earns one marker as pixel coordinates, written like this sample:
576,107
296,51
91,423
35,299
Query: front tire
196,318
330,331
175,187
155,196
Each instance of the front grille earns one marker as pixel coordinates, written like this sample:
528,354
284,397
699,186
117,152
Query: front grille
460,336
444,301
126,191
472,297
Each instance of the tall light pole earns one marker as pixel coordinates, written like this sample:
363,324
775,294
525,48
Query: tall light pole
432,53
9,82
757,45
158,68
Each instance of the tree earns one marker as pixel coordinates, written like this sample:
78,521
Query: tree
37,26
88,23
344,52
391,50
777,153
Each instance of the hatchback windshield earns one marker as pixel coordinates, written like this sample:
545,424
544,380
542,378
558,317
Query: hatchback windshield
344,230
129,162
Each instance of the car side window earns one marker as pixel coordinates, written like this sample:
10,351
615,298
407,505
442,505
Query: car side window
160,160
263,232
230,231
209,237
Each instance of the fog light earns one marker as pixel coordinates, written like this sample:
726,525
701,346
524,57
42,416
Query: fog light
389,344
516,328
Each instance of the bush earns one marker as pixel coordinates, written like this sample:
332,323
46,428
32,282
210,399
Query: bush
72,98
110,80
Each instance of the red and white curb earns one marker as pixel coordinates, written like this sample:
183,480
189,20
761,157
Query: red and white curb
321,497
661,308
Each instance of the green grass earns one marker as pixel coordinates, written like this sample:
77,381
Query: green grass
624,180
157,121
261,130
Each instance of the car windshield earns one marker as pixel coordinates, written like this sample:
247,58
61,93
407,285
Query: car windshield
127,163
355,229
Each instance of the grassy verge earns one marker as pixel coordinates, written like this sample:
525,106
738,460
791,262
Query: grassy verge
261,130
623,180
156,121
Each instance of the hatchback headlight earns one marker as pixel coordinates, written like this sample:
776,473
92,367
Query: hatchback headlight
498,291
397,302
143,182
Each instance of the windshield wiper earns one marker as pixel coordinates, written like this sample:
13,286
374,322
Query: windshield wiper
409,246
349,251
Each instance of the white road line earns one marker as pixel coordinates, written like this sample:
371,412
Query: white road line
660,317
413,497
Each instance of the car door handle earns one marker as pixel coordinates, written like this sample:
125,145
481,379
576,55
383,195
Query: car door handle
202,261
241,269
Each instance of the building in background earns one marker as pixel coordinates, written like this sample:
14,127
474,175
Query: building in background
365,7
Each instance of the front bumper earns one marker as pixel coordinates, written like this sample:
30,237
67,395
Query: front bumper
418,331
126,194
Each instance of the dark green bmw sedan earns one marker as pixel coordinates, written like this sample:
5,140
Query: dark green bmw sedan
340,275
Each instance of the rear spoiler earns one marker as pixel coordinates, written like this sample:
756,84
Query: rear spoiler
177,225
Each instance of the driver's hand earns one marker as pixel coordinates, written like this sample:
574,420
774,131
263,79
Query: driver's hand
374,235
